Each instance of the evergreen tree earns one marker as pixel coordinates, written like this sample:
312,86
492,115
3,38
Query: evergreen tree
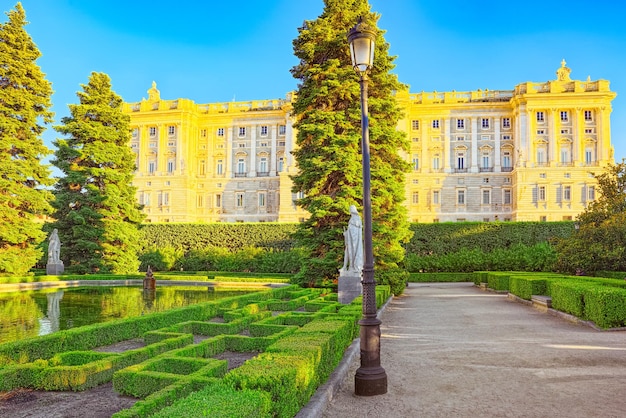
328,152
96,211
24,108
600,241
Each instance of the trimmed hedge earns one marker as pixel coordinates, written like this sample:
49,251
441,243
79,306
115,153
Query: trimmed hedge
233,236
298,351
452,237
440,277
600,300
220,401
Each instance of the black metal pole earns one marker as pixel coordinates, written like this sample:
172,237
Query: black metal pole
369,379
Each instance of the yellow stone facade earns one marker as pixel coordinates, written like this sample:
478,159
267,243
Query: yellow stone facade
526,154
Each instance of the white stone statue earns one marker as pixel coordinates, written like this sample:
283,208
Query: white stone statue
54,248
353,235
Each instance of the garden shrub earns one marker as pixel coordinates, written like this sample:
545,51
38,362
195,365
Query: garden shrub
289,379
498,281
440,277
567,296
396,278
606,307
526,286
220,401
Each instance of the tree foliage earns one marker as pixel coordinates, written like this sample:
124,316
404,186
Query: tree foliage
96,210
24,109
328,152
600,241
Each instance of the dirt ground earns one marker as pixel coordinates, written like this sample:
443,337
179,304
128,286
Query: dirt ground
453,350
100,402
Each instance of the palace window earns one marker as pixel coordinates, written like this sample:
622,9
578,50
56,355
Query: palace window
153,131
264,130
416,198
241,166
460,161
506,198
219,167
203,133
567,193
163,199
506,159
540,116
281,129
541,156
506,122
415,125
220,131
564,116
436,197
486,161
436,162
484,123
171,130
592,193
460,123
460,197
588,115
242,131
436,124
486,197
261,200
263,165
416,162
239,200
135,132
171,166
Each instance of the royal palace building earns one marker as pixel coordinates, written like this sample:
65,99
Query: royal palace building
526,154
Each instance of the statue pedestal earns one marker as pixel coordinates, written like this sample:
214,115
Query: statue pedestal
349,286
54,269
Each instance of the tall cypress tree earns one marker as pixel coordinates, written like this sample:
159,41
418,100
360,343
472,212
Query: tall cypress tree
97,214
328,153
24,108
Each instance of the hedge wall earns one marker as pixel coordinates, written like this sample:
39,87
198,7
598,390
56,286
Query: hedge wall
428,239
233,236
446,238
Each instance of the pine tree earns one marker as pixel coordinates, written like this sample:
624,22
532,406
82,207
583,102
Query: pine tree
24,108
328,153
96,211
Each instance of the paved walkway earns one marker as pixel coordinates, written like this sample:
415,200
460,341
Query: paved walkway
453,350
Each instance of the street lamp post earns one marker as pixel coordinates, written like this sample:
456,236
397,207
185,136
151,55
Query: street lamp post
369,379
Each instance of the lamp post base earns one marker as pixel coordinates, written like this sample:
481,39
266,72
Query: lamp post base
370,382
370,379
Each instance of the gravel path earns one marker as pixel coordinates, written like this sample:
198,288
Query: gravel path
453,350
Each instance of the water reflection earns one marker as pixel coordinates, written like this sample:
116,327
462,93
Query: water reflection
32,313
50,323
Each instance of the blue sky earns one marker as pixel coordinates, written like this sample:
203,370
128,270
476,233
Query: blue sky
215,51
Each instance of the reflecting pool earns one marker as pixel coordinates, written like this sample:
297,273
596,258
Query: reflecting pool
31,313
